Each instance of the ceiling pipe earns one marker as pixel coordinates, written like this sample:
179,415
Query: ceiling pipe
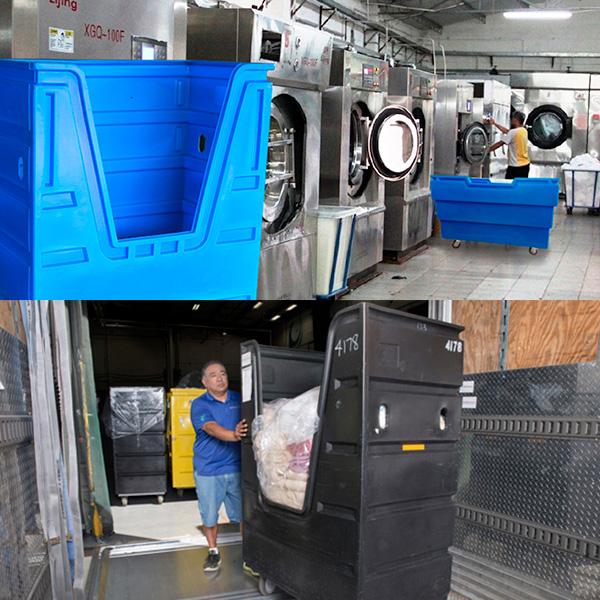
374,25
519,54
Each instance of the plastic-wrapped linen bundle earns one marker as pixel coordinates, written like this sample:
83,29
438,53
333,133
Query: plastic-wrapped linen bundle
134,410
282,438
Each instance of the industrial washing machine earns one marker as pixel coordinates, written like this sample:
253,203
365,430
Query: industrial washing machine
301,56
366,142
556,109
594,117
492,99
462,140
112,29
408,204
496,98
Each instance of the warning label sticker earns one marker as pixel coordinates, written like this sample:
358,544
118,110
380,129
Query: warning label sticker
61,40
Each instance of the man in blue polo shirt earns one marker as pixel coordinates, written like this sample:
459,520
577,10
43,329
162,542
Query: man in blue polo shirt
216,417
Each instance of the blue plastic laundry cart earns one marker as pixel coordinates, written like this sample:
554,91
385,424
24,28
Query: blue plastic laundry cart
132,179
519,213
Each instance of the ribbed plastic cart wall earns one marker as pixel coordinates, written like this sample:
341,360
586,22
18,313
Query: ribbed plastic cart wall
378,516
131,179
182,436
520,213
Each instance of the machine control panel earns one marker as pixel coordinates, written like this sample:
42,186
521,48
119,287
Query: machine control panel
148,49
425,87
359,71
373,77
298,53
464,99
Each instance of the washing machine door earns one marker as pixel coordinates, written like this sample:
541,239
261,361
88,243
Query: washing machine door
548,126
395,143
474,144
283,200
419,115
359,172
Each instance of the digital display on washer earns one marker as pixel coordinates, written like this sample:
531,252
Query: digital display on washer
270,46
148,49
371,77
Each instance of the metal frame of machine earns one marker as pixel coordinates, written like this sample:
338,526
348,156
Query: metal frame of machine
408,204
556,107
366,141
64,29
302,58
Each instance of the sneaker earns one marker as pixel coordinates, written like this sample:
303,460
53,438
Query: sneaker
212,562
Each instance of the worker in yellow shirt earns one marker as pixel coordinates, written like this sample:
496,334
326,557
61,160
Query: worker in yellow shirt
516,139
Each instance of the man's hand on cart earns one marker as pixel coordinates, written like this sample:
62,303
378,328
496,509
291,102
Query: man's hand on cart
241,430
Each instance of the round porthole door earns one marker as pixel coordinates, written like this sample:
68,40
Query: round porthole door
419,115
283,187
475,144
548,126
395,143
358,170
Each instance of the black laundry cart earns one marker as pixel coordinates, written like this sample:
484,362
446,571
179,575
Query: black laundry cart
378,515
137,427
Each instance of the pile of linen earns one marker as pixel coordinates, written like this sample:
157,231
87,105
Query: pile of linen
282,438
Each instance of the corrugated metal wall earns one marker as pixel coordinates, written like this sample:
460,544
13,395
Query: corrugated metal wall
24,571
528,525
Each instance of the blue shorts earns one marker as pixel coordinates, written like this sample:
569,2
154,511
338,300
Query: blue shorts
215,490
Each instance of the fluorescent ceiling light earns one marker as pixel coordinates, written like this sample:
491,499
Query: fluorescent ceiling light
291,307
530,14
275,317
196,307
257,305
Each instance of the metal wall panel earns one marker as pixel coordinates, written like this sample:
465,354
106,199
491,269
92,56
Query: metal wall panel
112,29
23,556
529,482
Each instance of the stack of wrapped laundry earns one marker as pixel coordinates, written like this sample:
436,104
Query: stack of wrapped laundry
282,438
584,162
582,184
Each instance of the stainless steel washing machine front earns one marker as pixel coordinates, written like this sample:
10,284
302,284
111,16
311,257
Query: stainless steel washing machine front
366,142
461,138
409,208
301,57
556,107
594,117
112,29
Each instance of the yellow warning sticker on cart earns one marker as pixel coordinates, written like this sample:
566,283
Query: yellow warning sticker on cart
413,447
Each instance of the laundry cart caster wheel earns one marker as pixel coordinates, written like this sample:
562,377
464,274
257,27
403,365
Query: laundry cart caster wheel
456,244
160,499
265,586
124,500
533,251
569,210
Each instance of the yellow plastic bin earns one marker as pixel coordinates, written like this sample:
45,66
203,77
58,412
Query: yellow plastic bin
181,437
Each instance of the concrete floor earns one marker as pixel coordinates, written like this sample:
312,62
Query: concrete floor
569,269
168,521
